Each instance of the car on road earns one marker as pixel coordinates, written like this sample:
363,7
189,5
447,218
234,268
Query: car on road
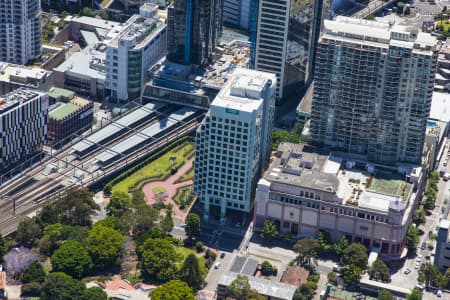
417,266
439,293
423,246
183,225
222,254
217,265
407,271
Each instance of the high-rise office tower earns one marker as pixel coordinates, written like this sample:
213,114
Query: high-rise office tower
373,88
194,28
20,30
286,38
233,142
236,13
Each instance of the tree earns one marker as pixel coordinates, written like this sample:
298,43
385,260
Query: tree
240,289
385,295
190,272
72,258
352,274
48,214
86,11
49,242
340,246
3,248
28,232
76,233
18,259
34,273
412,238
323,240
199,246
192,228
32,289
167,222
104,245
419,217
355,254
76,207
60,286
269,231
430,273
110,221
94,293
173,290
119,203
158,258
306,249
379,270
267,269
416,294
332,278
304,292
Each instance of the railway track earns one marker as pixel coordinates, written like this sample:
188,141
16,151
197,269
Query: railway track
35,196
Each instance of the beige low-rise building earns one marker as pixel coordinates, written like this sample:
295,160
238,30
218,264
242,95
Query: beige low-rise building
306,190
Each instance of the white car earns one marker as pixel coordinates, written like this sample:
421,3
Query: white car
418,259
217,265
439,293
417,266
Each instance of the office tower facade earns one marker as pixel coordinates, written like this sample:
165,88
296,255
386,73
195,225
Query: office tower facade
236,13
20,30
373,88
233,142
194,28
23,125
286,39
141,43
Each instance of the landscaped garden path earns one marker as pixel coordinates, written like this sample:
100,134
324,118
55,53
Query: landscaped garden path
170,188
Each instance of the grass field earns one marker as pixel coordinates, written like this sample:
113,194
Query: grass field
157,169
158,189
184,252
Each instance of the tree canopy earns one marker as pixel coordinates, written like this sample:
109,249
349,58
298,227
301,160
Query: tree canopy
72,258
104,245
192,226
416,294
355,254
28,232
76,207
412,238
379,270
3,248
173,290
120,202
158,258
60,286
34,273
94,293
240,289
190,272
270,230
306,249
385,295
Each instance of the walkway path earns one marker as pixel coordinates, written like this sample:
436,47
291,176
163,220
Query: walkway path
171,188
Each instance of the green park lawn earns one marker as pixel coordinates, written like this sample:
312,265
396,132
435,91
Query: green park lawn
158,189
158,169
184,252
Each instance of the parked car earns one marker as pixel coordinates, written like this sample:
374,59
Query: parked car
222,254
407,271
417,266
439,293
423,246
217,265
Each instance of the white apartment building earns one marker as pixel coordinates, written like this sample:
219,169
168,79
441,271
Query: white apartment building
20,30
23,125
140,44
233,142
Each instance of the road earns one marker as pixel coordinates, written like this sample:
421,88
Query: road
28,191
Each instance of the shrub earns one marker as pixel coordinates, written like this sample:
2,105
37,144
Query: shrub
267,269
32,289
199,247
